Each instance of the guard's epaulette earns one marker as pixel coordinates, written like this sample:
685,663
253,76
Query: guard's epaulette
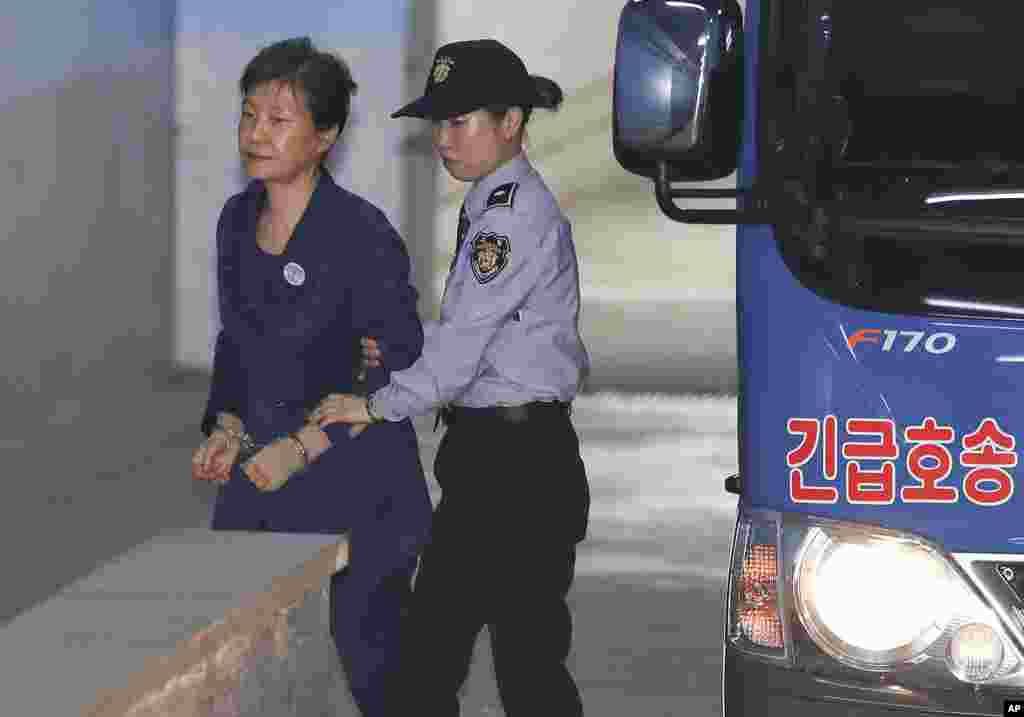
502,196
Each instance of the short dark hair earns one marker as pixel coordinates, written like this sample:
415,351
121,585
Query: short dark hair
322,79
549,91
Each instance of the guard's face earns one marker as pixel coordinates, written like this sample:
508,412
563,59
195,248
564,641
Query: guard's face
276,135
473,145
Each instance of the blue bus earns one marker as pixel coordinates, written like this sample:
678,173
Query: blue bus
878,560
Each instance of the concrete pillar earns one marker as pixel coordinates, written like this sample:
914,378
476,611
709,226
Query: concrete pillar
419,164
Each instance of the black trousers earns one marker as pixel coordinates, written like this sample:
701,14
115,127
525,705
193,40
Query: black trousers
514,504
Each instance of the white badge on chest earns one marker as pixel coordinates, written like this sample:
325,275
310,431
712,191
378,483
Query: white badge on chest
294,274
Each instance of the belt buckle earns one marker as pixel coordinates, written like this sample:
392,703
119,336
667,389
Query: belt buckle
517,414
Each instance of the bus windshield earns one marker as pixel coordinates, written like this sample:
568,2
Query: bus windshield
900,132
934,81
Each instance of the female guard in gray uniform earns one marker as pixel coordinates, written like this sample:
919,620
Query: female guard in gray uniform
505,360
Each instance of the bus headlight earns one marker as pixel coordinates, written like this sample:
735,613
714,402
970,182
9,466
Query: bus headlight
866,605
872,602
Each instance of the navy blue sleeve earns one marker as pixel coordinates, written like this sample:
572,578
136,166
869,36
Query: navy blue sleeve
383,477
223,389
383,305
224,393
384,302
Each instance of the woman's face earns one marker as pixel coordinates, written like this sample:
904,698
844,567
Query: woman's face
473,145
277,139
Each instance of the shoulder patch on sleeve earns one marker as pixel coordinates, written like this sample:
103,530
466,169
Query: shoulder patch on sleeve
489,255
502,196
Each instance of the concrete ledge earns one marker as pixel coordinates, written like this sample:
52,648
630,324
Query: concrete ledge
194,624
205,674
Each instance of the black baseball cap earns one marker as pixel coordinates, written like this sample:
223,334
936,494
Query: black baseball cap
472,74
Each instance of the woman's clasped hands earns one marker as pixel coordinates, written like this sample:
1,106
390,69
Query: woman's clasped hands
214,458
278,461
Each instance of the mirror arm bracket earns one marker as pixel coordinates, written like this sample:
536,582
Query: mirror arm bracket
754,211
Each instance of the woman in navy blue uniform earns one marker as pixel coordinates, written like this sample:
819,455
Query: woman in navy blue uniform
304,269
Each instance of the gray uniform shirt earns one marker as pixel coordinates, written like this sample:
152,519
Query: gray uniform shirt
509,328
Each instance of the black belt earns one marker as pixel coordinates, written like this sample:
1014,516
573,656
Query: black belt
452,414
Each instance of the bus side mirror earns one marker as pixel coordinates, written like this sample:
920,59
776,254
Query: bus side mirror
678,85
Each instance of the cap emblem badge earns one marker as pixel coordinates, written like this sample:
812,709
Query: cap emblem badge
442,68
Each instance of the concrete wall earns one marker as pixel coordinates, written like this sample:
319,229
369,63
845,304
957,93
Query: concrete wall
85,209
85,270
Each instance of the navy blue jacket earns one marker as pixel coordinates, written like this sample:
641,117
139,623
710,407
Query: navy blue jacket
290,336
